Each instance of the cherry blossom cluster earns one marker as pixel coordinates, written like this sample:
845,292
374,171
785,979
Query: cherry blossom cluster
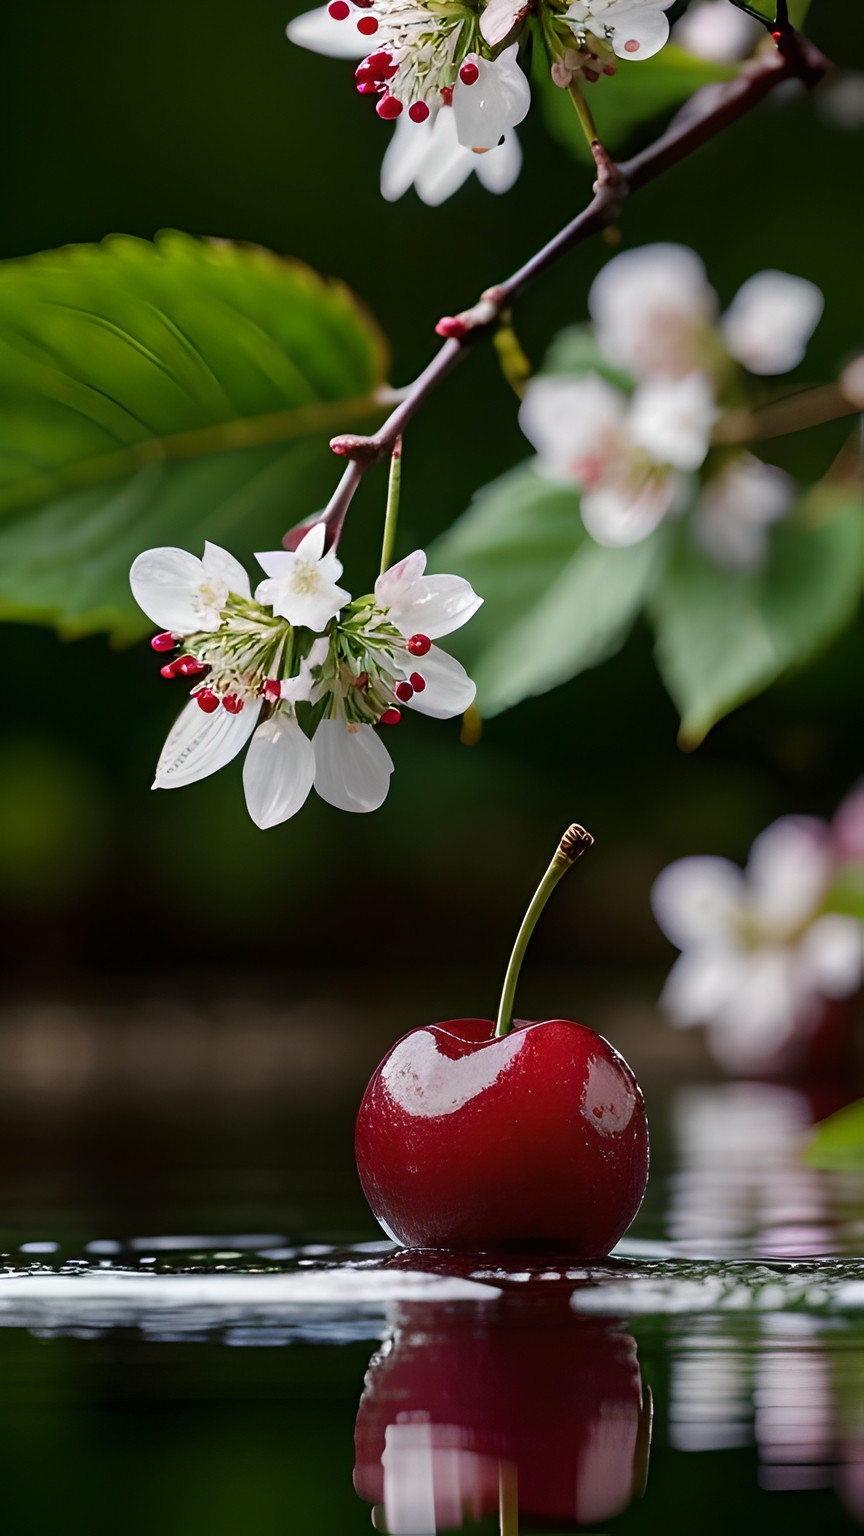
763,953
299,648
644,453
450,74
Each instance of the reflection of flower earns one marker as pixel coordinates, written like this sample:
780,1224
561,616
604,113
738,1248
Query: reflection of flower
758,955
626,455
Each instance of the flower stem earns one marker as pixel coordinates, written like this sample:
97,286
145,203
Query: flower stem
571,847
391,516
583,112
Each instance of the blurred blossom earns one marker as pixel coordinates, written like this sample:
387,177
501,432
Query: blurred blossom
840,101
759,956
737,508
852,382
770,321
716,30
626,455
649,307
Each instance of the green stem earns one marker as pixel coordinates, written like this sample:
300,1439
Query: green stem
571,847
391,516
583,112
508,1499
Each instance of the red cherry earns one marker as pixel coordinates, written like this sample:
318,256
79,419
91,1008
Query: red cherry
206,699
522,1383
417,682
163,642
404,692
419,645
390,717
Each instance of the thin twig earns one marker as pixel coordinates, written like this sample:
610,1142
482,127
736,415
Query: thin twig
708,113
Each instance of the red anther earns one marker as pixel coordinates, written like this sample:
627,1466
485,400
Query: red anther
190,666
232,703
419,645
378,66
206,699
169,670
368,88
390,717
367,25
469,73
163,642
447,95
389,107
339,10
404,692
591,74
364,5
418,683
451,326
272,689
361,680
418,112
610,69
776,36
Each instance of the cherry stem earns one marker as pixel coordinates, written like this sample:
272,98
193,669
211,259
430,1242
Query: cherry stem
508,1499
571,847
391,515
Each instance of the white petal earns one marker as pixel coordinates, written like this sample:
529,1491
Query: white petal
499,169
352,766
572,420
648,305
736,508
619,513
221,566
770,321
278,771
763,1010
500,17
449,690
165,584
408,147
498,100
640,30
673,419
717,31
847,828
832,955
318,31
425,605
446,165
697,900
201,744
306,610
787,872
699,985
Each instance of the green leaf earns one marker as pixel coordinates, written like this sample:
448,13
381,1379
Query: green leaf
722,637
839,1140
163,393
639,92
846,894
574,352
555,602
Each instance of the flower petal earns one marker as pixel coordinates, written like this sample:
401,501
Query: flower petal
499,169
222,567
446,165
622,513
571,422
696,901
409,145
318,31
200,744
352,766
717,31
788,870
770,321
426,605
165,583
640,30
737,506
498,99
305,610
649,306
278,771
449,690
673,419
698,985
831,955
500,17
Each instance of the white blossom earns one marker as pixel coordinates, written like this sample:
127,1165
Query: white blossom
302,582
718,31
770,321
181,593
429,157
429,605
352,765
490,96
736,509
636,29
625,455
758,957
651,309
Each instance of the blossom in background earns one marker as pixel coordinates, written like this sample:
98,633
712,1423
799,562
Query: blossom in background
253,661
628,456
716,30
634,29
770,321
759,955
737,507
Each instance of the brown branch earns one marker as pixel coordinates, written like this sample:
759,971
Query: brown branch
707,113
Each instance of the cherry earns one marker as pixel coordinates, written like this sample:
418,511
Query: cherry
516,1134
518,1402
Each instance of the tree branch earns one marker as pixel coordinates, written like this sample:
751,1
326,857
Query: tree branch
708,113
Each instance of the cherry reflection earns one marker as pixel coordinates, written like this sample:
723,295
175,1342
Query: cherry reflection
517,1408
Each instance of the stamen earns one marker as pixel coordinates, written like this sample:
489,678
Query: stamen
339,10
190,666
388,108
404,692
361,680
469,73
169,670
417,682
390,717
367,25
233,703
419,645
163,642
418,112
447,95
272,689
206,699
